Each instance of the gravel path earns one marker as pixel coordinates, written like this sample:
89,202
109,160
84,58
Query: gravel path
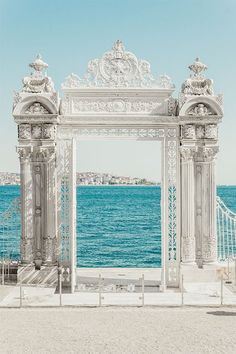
118,330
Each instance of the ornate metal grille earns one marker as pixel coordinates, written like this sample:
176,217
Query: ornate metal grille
64,147
10,231
226,231
172,200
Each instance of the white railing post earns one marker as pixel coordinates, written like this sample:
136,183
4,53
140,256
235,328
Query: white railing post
100,298
221,289
3,272
20,295
182,290
142,285
235,271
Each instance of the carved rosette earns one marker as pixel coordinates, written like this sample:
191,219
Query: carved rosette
24,131
211,131
37,131
188,131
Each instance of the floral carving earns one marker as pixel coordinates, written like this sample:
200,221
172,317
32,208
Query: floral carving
188,131
115,105
37,108
114,132
48,131
200,132
118,68
36,131
211,131
24,131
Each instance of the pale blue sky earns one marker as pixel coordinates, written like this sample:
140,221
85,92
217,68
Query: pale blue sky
167,33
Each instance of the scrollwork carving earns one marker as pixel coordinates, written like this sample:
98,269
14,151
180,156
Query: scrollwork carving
118,68
115,105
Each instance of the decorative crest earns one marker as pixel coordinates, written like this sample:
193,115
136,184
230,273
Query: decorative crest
118,68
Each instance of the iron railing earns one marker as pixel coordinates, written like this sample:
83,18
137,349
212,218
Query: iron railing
226,231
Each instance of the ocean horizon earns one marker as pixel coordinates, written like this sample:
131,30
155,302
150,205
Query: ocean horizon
119,226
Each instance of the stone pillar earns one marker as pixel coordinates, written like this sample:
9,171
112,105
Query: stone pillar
206,233
27,254
188,194
44,205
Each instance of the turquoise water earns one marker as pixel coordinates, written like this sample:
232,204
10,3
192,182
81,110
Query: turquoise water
116,226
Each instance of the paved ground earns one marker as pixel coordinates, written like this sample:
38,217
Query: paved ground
118,330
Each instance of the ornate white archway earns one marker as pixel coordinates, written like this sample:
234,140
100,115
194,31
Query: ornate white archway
118,98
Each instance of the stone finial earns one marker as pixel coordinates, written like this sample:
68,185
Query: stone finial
197,84
38,65
197,67
38,81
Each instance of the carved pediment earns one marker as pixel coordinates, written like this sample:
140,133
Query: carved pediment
118,68
36,108
201,110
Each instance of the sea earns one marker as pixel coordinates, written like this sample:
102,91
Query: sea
117,226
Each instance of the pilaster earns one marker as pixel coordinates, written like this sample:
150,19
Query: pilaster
188,193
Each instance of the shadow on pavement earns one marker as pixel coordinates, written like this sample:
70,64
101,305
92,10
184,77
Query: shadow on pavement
222,313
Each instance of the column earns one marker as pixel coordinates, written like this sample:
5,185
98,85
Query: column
188,222
50,199
27,242
206,204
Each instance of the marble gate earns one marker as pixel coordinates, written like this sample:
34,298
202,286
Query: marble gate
118,98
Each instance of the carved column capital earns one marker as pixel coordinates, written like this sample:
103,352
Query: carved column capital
207,153
43,153
188,131
24,153
187,153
